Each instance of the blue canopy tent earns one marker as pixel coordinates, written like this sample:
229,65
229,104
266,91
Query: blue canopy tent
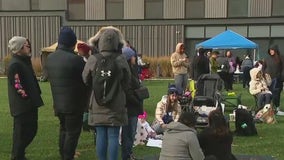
228,40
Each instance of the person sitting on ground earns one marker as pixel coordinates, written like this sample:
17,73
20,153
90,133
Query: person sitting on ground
167,110
180,140
144,130
259,87
216,139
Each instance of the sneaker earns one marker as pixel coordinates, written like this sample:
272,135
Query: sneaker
280,113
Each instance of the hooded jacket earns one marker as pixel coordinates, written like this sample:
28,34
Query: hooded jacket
272,64
180,142
108,40
178,65
161,110
257,85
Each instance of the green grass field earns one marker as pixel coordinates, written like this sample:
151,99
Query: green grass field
270,139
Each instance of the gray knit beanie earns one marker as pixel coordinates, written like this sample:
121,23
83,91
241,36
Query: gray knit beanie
16,43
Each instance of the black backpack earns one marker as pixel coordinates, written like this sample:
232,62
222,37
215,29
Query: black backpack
244,123
104,84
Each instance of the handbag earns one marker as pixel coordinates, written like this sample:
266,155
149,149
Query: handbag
142,92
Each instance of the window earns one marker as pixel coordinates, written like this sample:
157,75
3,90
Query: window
213,31
114,9
34,4
237,8
76,9
194,9
277,8
242,30
277,31
153,9
259,31
194,32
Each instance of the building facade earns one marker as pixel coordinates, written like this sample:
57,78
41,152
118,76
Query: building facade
153,27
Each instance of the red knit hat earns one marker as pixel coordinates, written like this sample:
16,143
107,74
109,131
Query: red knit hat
84,47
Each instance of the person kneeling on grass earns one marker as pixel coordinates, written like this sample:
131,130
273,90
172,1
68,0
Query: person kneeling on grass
167,110
180,140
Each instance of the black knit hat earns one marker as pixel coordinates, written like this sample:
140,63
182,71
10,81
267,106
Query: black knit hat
67,37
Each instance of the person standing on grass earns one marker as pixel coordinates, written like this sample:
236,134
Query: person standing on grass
69,92
180,64
274,66
200,64
24,96
246,66
134,107
107,119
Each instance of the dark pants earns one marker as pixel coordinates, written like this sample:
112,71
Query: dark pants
276,89
25,129
263,99
246,77
128,135
226,79
69,132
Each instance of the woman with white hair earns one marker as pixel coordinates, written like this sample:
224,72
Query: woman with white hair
24,96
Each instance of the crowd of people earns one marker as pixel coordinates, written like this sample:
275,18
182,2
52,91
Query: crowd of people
77,79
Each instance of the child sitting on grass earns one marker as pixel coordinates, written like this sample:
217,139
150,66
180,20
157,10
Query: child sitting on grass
143,131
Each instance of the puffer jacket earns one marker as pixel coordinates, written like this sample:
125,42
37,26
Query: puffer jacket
109,40
64,69
257,85
20,72
161,110
178,66
180,142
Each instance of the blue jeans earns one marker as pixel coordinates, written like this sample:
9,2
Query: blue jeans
181,82
127,137
107,142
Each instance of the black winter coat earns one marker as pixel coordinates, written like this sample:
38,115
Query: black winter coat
64,70
133,103
22,79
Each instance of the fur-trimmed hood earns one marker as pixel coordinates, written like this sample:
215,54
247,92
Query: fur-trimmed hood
253,73
108,39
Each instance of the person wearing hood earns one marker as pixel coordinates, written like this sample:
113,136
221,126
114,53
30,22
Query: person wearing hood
180,64
69,92
200,64
273,65
259,88
167,110
107,119
24,96
180,140
216,140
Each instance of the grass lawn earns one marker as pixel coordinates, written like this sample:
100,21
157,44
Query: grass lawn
270,139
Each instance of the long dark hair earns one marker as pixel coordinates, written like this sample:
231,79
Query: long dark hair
218,123
188,119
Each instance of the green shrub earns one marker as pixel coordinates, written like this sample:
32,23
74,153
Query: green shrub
159,65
